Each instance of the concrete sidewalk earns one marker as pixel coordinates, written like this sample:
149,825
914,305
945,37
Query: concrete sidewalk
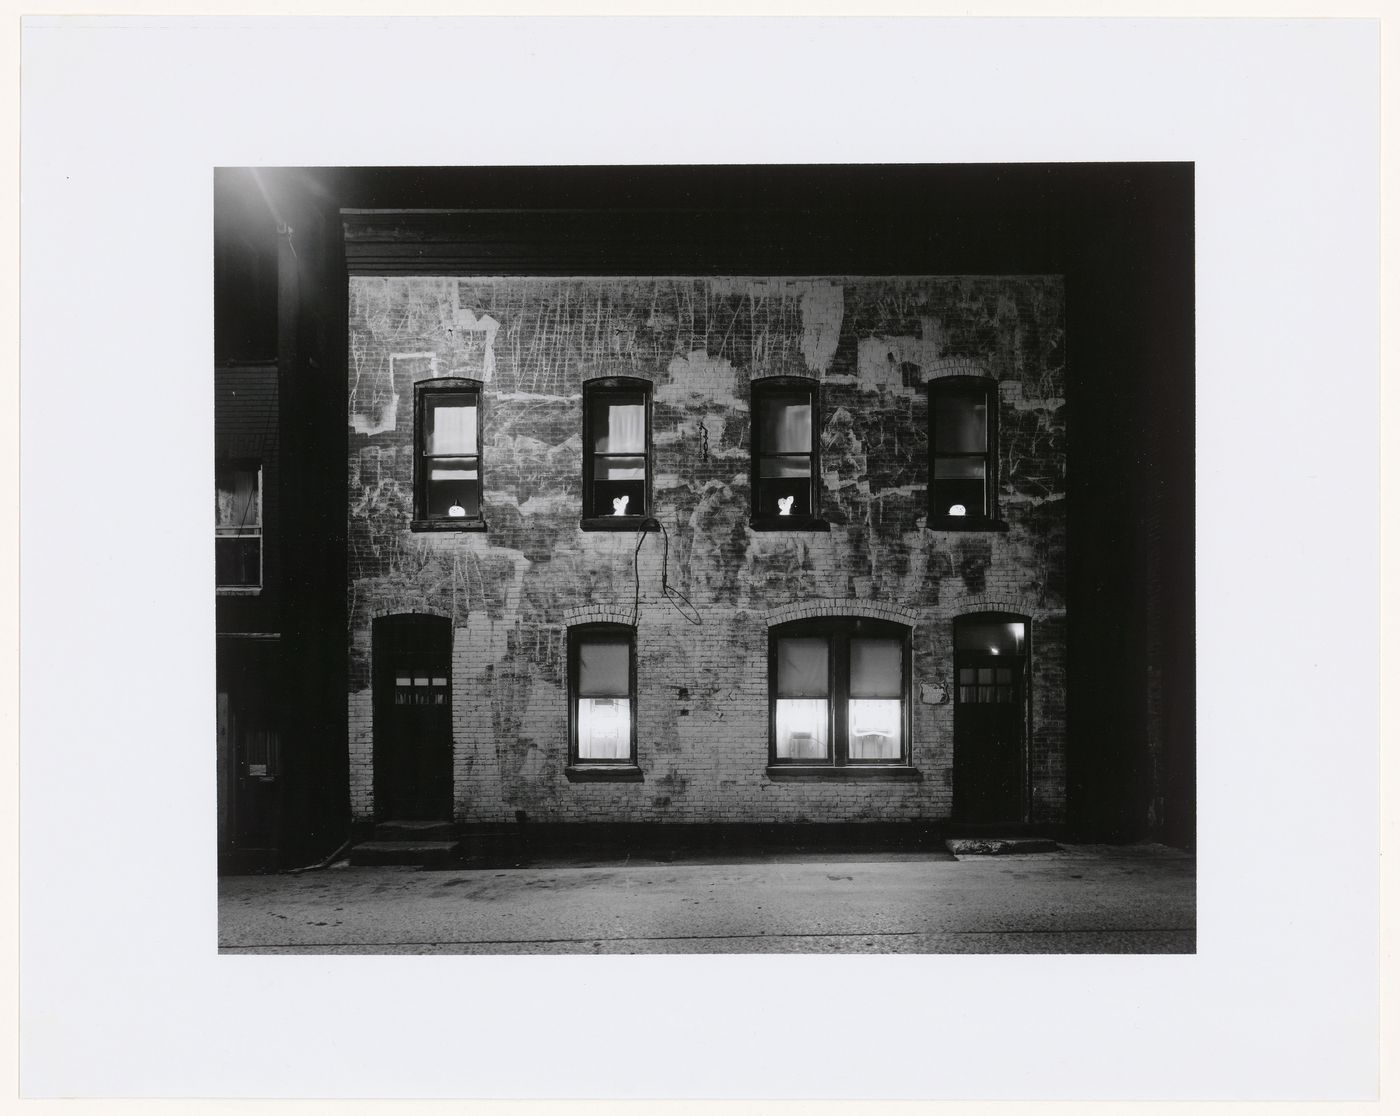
1079,899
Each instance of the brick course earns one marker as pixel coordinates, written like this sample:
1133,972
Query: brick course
702,704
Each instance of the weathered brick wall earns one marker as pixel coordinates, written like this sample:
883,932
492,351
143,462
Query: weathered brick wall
702,706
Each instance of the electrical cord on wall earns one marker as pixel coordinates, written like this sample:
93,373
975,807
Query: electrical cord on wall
674,597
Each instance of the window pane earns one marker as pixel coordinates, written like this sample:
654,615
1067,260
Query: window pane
785,497
604,729
875,728
627,497
788,466
604,669
452,424
801,728
960,423
984,675
620,468
802,668
236,498
785,425
959,483
237,561
454,482
619,424
989,635
875,668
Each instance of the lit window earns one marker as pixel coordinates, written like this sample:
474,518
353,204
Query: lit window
839,692
783,445
447,465
616,453
962,452
238,527
602,695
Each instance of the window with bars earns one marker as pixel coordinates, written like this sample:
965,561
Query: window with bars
616,453
238,526
962,439
785,463
447,461
839,693
602,695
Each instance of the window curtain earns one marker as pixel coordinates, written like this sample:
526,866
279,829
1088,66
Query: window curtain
787,426
623,428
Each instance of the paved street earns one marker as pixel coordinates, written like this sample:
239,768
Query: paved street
1079,899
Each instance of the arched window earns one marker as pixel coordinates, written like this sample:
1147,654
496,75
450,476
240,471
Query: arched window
616,453
838,692
962,452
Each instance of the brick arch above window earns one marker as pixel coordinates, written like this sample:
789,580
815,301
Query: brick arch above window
598,614
841,606
948,367
1019,606
418,608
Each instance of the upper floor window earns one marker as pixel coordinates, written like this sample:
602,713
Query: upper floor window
839,692
962,440
602,695
785,463
616,453
238,526
447,455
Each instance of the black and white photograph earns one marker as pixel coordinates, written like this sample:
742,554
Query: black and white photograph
761,558
705,559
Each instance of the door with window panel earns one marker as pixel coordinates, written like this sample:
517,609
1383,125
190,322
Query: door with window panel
989,718
412,719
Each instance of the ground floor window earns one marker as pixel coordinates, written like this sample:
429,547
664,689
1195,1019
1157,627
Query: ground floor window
602,694
838,692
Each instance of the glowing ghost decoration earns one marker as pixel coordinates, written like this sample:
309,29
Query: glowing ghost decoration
620,505
957,509
456,509
785,504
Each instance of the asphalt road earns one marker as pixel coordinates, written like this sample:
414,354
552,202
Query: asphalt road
1080,899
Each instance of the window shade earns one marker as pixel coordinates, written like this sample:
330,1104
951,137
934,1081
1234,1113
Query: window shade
603,669
452,427
802,668
875,668
236,498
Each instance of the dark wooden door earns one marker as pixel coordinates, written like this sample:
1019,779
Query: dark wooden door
989,738
412,718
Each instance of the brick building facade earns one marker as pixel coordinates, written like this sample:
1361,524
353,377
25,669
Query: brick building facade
703,583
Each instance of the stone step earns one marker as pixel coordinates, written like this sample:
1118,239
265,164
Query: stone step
415,831
998,846
426,854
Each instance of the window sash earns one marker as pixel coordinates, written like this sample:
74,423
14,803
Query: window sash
602,697
962,459
448,419
617,436
783,452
